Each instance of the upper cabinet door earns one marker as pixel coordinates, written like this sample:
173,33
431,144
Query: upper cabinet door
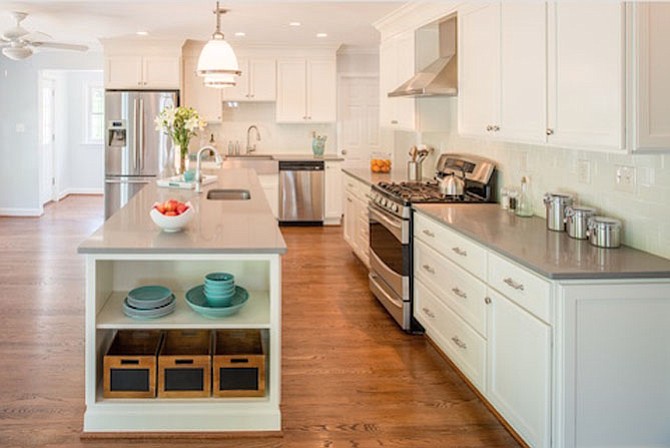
388,66
652,25
291,91
205,100
240,91
263,81
479,70
586,74
123,72
160,72
321,87
523,72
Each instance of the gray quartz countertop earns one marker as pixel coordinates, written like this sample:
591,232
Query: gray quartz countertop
551,254
230,226
370,178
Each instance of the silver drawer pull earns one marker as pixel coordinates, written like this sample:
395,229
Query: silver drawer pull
460,251
459,293
428,233
428,268
459,343
428,313
513,284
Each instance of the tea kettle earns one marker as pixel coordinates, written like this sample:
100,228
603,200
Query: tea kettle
452,185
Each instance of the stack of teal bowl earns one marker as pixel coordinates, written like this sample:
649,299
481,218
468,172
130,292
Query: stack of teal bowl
219,288
219,296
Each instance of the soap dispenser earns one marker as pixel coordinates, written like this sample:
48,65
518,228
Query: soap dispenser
524,206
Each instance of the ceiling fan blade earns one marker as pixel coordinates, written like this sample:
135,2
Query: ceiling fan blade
58,46
14,33
36,36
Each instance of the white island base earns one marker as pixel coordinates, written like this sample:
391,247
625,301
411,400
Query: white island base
111,276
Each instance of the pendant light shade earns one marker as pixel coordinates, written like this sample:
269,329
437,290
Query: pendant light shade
217,61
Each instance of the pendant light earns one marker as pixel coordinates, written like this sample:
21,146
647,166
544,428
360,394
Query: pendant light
217,61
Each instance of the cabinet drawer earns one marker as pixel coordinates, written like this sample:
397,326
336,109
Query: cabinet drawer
452,245
522,286
459,290
458,341
359,189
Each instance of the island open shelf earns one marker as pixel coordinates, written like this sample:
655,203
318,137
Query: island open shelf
254,314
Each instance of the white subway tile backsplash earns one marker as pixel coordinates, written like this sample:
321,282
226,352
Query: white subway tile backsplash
645,212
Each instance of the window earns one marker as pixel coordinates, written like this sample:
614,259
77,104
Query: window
95,113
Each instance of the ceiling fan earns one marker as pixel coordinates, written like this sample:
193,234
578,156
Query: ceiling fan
18,43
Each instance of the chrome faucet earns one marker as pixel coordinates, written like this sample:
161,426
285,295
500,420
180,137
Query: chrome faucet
198,165
250,148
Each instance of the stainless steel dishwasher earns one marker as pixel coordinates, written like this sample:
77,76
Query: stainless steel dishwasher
301,192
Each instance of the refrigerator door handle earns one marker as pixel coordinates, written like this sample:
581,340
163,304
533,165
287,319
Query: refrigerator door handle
135,125
141,127
126,181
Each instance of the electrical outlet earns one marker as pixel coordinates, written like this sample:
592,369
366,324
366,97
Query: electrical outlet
584,171
625,179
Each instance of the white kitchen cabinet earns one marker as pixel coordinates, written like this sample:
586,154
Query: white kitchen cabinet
651,71
205,100
333,181
396,66
306,91
142,72
586,74
502,89
258,81
356,227
519,368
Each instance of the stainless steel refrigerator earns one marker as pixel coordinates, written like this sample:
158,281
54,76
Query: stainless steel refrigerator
135,153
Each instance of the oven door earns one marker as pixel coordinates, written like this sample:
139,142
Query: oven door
390,249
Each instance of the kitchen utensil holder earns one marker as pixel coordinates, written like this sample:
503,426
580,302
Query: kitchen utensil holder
413,171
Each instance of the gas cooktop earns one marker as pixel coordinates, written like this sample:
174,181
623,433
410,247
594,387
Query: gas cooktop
420,192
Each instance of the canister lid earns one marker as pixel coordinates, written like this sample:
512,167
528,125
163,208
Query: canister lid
604,222
557,197
580,210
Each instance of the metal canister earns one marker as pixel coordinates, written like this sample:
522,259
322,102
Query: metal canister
604,231
577,220
555,203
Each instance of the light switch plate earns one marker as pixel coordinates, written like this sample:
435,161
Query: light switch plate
584,171
625,179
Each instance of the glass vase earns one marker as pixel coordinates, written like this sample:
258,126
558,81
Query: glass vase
180,154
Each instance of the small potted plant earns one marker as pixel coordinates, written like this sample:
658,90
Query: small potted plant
180,123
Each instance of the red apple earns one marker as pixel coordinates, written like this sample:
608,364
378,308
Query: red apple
170,213
181,208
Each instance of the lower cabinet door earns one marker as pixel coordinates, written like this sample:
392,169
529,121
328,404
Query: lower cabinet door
519,369
452,334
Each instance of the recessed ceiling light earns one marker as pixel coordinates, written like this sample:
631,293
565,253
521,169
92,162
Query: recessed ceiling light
321,35
240,34
295,23
142,33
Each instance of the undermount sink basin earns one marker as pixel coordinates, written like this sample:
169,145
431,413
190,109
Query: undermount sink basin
228,195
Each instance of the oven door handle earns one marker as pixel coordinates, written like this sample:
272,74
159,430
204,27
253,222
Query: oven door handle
381,217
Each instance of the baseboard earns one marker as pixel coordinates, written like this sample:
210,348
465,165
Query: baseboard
29,212
83,191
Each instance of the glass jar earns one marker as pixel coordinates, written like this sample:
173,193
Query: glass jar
504,198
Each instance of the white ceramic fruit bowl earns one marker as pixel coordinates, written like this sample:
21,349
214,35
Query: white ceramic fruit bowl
172,223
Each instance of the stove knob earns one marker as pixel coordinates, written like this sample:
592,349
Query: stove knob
396,208
386,202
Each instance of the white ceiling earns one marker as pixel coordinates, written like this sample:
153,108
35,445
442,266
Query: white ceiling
264,22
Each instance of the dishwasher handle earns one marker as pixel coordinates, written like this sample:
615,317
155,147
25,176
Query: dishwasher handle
305,165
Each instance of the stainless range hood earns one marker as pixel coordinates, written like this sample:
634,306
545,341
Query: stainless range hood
440,78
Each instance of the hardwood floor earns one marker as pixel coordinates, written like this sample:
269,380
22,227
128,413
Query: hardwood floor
351,378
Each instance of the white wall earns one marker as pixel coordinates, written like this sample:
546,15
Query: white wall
19,170
645,212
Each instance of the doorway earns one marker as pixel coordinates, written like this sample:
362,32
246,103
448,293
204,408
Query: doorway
48,140
358,118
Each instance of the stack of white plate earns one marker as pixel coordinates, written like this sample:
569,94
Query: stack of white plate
149,302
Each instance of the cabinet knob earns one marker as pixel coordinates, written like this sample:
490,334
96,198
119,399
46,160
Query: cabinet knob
550,131
496,128
489,128
394,121
487,300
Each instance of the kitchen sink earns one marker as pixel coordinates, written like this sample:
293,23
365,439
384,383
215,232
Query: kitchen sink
228,195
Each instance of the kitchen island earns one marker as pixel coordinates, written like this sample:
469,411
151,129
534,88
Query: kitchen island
129,250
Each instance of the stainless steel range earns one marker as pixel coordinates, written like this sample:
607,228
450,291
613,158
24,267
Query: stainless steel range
390,211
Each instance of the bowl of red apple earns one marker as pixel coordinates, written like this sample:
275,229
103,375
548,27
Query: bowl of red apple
171,215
